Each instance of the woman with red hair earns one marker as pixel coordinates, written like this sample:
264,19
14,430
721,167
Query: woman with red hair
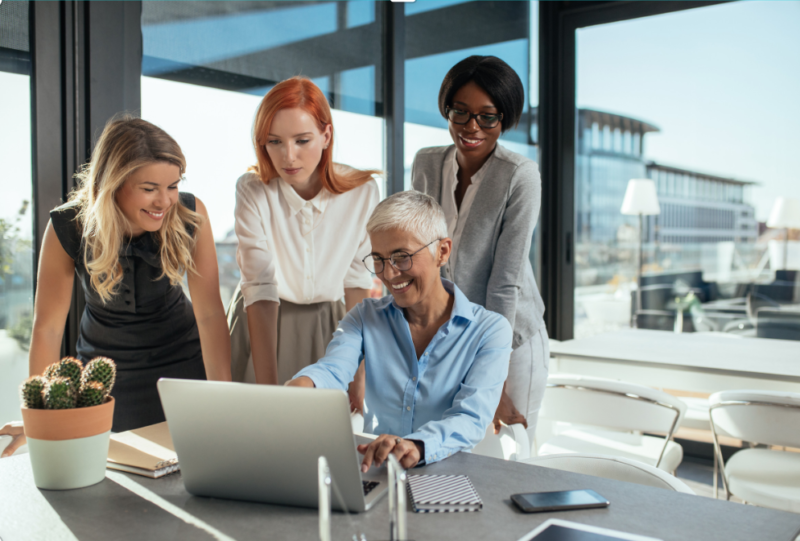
301,224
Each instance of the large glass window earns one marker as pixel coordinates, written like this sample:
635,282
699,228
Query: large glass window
16,221
710,95
207,65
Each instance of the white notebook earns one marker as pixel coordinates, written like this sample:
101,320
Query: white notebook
443,494
146,451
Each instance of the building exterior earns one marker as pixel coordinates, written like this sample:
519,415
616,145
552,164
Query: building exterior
695,207
700,208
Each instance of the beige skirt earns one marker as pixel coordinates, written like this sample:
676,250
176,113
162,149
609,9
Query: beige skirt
304,331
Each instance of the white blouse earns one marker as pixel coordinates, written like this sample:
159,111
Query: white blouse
301,251
456,219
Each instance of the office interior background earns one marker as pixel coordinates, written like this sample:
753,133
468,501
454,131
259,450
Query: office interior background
700,97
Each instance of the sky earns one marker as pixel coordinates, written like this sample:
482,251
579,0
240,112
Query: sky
721,82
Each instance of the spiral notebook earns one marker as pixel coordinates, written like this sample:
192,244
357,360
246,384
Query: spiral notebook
146,451
443,494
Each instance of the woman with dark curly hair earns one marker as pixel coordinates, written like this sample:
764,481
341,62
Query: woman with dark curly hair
491,198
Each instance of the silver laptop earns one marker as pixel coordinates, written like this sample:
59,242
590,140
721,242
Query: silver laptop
262,443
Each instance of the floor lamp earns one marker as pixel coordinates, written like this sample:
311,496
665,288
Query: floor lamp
640,200
785,215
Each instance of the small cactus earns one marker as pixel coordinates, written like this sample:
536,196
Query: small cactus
59,394
71,368
50,371
31,391
100,369
92,394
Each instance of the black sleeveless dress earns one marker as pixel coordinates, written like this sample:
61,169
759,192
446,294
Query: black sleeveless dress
148,328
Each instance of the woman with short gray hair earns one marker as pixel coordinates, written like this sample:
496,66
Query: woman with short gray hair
435,363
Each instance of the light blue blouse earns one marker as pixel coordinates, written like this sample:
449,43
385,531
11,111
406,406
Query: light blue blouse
447,397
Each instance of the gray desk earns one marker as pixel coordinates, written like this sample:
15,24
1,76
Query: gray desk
109,510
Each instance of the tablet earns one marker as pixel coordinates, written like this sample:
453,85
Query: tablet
563,530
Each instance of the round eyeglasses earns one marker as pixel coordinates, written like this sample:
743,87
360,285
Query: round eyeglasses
484,120
401,261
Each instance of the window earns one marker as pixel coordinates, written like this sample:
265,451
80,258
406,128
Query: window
697,155
439,34
207,65
16,220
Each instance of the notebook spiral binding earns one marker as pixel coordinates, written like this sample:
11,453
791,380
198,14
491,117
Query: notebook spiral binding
167,463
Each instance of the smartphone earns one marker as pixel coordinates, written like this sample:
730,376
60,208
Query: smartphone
537,502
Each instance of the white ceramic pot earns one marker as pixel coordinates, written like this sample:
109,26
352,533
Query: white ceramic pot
68,448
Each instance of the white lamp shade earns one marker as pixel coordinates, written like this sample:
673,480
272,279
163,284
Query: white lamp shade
785,213
640,198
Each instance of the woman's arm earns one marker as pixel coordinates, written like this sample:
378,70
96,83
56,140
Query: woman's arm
355,391
464,424
514,243
337,368
262,324
53,297
215,340
353,296
259,286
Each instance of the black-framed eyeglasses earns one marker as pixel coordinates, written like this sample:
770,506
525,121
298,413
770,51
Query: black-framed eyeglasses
401,261
484,120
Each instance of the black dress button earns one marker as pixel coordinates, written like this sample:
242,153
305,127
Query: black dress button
127,302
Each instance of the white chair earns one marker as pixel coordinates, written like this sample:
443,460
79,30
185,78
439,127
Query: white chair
623,410
696,416
759,476
510,444
612,467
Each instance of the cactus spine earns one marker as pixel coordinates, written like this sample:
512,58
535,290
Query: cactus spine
92,394
71,368
59,394
102,370
50,371
31,391
68,384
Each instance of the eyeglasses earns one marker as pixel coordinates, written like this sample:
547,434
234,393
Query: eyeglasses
457,116
401,261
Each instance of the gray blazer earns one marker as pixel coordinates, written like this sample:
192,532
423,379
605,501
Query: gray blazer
493,268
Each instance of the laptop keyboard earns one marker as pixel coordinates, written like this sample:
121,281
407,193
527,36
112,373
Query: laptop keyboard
369,485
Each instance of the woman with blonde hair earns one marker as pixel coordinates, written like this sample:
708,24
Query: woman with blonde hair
301,225
130,236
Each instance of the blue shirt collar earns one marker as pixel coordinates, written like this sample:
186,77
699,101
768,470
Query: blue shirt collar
462,307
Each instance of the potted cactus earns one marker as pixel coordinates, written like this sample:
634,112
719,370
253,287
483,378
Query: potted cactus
67,413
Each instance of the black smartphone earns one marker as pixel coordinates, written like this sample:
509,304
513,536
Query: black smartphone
536,502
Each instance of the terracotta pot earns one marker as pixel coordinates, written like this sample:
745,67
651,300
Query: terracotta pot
68,448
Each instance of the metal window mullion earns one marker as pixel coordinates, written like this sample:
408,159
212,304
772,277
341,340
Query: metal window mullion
394,94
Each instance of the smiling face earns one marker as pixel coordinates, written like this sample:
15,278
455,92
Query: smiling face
295,146
413,286
147,195
472,141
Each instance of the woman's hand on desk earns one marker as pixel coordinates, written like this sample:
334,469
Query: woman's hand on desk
408,452
507,413
17,433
